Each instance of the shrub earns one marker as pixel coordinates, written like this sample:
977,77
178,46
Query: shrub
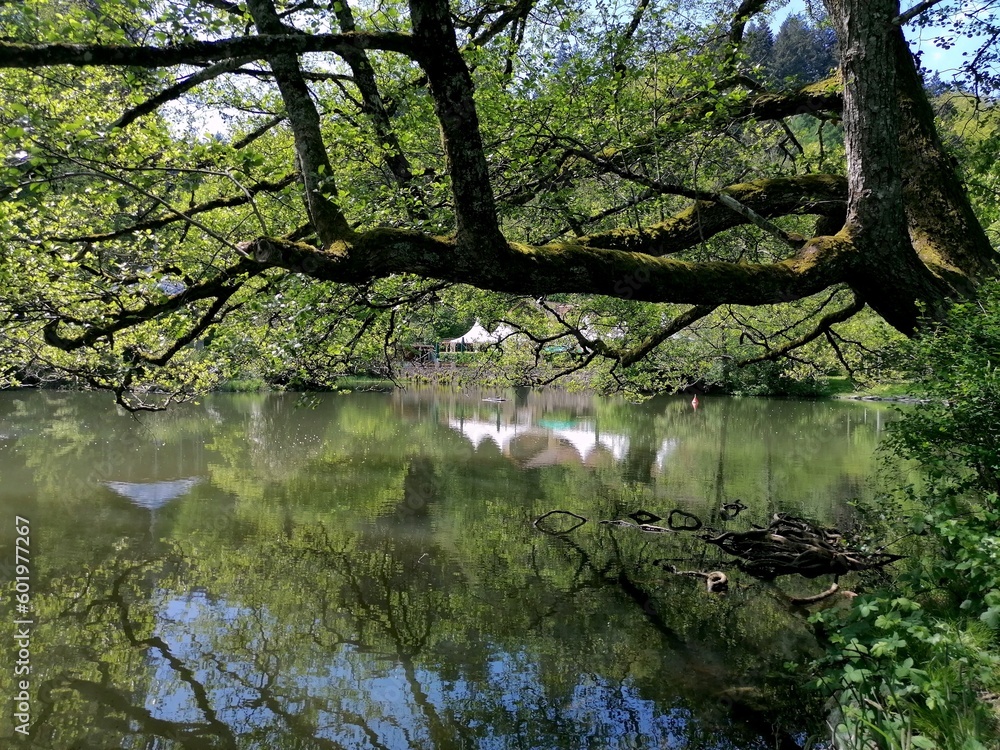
910,661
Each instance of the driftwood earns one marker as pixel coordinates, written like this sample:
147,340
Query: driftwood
716,582
792,545
802,601
729,511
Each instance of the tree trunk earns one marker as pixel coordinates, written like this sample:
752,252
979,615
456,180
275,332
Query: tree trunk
918,242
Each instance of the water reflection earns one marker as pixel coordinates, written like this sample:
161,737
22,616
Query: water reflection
361,572
546,444
153,495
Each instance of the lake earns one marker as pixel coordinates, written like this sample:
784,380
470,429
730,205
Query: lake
362,571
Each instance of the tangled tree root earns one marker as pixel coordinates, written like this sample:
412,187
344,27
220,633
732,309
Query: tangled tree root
729,511
792,545
787,546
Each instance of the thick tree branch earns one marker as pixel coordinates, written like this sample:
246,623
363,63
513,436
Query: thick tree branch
374,107
18,55
943,228
876,211
515,12
633,26
824,195
452,89
815,99
549,269
314,162
747,10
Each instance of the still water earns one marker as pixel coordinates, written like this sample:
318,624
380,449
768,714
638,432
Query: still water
361,571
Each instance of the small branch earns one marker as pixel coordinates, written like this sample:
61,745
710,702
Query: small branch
208,319
913,12
253,135
678,324
838,316
759,221
248,193
570,370
129,318
132,186
178,89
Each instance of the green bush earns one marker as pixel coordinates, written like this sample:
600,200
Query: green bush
910,662
766,379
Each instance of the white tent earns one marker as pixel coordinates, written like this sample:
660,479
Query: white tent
478,336
475,335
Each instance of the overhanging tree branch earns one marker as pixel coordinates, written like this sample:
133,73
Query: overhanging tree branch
537,271
19,55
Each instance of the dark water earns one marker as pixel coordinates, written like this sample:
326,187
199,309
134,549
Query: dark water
361,571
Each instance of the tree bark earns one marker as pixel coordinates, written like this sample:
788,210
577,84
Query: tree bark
888,274
943,227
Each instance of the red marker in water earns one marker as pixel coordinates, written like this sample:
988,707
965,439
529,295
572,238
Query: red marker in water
694,402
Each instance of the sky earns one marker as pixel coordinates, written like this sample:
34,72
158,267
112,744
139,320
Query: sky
921,39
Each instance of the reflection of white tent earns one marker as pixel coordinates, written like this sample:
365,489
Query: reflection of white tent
153,495
582,443
667,447
477,431
586,441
